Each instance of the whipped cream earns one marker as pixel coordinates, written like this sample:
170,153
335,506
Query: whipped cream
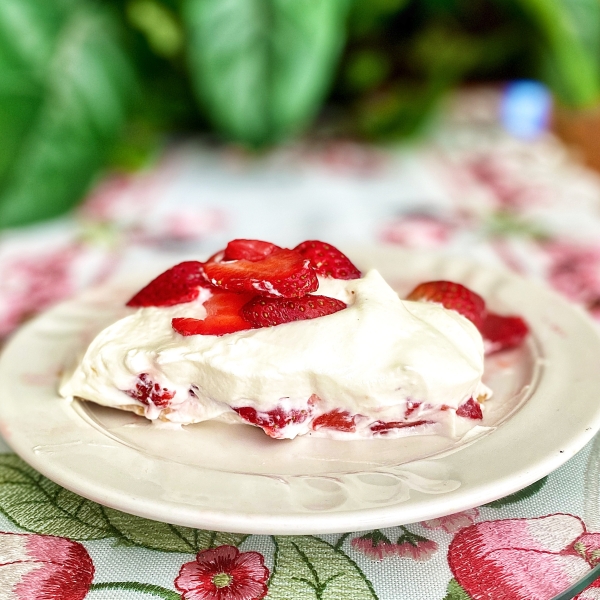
381,358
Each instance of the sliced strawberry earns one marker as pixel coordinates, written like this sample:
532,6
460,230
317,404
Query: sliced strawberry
410,408
283,273
471,409
252,250
327,260
179,284
452,296
502,333
385,427
267,312
222,316
341,420
274,420
147,392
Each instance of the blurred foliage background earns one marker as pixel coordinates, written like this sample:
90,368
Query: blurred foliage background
90,84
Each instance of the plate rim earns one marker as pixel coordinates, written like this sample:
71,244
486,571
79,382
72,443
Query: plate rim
338,521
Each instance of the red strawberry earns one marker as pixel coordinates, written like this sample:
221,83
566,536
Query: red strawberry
338,419
253,250
222,316
267,312
274,420
502,333
179,284
147,392
411,406
382,427
452,296
471,409
281,273
327,260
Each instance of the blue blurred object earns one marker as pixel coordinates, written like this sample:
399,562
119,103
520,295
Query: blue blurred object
525,108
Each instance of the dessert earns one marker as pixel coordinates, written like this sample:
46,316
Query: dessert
296,342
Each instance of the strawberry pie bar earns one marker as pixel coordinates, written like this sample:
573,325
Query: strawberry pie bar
296,342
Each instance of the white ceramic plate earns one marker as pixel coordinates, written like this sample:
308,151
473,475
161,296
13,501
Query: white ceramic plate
234,478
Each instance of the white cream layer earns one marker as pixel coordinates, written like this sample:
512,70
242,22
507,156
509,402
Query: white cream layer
375,358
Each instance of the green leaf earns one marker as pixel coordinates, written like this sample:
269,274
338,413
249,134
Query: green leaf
36,504
168,538
572,32
527,492
456,592
308,568
66,86
39,505
158,24
505,223
261,68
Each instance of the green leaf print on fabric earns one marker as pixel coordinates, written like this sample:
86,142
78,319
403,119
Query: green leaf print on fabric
168,538
39,505
456,592
527,492
307,568
36,504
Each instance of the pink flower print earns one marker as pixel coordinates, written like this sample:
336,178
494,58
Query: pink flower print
574,270
374,545
124,199
348,157
508,183
111,200
187,224
418,231
422,550
178,226
33,282
223,573
522,559
377,546
43,567
452,523
417,547
130,207
588,547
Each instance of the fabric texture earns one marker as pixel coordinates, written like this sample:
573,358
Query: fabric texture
471,190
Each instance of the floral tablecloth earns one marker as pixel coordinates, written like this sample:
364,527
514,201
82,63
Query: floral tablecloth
471,189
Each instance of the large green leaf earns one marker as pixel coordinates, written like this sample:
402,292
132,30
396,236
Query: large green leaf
572,32
41,506
308,568
168,538
36,504
65,86
262,67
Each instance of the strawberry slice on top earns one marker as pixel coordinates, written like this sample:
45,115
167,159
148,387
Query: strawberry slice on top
179,284
268,312
282,273
453,296
222,316
327,260
252,250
